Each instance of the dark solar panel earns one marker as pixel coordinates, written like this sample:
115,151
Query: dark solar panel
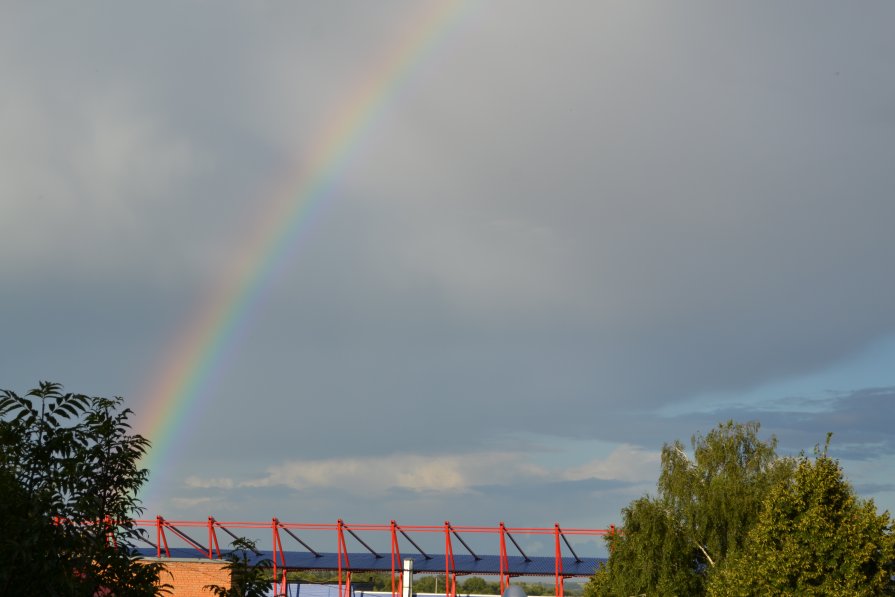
463,564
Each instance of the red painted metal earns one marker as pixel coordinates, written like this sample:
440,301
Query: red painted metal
504,564
558,578
160,525
397,588
212,538
450,590
343,554
344,564
278,551
450,566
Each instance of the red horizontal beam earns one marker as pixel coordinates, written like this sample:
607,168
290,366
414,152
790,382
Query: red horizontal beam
374,527
278,562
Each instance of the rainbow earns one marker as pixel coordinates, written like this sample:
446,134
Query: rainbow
194,359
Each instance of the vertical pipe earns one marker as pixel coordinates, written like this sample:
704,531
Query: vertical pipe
407,578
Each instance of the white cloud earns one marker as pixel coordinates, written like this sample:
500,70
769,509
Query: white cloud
446,473
450,473
545,230
191,502
625,463
195,482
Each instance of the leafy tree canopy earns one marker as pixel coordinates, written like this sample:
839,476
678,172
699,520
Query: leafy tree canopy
814,537
247,579
701,513
69,478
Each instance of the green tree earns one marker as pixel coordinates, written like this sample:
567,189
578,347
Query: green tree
538,588
247,579
69,478
480,586
475,584
429,583
702,511
814,537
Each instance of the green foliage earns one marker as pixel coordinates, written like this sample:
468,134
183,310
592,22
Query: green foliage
69,478
814,537
429,583
538,588
476,585
702,512
246,579
652,556
370,581
362,581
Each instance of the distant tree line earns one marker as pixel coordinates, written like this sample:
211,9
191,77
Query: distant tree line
432,583
732,518
476,585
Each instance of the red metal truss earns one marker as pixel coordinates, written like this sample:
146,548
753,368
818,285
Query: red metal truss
163,526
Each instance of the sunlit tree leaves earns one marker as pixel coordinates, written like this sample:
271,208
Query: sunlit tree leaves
69,476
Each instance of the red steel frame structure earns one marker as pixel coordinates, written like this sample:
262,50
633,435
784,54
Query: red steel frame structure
162,526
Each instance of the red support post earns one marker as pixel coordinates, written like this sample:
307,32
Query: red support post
397,587
160,526
560,537
450,590
559,579
212,540
274,535
341,540
343,553
110,533
214,535
278,552
504,563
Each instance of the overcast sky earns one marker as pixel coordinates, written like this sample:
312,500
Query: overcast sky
574,232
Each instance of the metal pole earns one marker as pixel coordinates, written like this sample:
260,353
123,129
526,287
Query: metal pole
407,578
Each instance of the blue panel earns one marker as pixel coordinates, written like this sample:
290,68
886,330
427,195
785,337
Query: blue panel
463,564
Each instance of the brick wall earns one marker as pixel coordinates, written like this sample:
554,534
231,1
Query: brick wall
188,577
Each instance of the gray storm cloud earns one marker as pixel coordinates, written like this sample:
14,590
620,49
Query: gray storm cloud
563,217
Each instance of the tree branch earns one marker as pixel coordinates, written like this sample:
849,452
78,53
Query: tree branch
706,554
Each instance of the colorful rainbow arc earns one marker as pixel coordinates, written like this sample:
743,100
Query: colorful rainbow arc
194,360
